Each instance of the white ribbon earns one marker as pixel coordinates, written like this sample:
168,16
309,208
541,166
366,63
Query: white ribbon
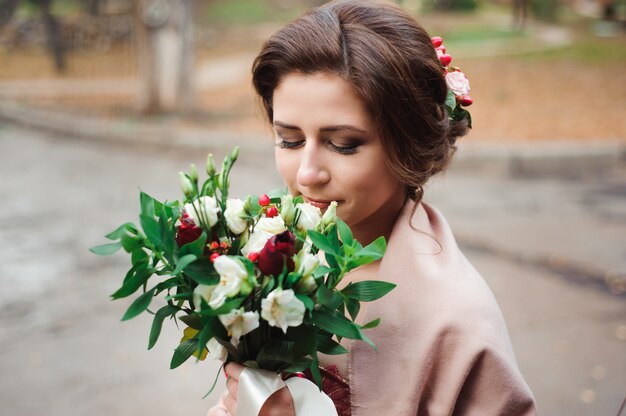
256,386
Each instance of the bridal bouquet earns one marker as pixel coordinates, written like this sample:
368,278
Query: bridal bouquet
255,281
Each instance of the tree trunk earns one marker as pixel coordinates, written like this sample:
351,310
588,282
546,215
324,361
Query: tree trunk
53,31
7,9
165,51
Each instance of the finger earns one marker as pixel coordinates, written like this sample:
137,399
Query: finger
234,370
232,385
218,411
231,404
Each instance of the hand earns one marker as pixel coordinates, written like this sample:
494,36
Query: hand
278,404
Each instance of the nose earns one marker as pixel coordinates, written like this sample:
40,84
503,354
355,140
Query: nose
312,170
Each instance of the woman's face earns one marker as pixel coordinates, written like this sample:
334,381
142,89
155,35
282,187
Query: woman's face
327,149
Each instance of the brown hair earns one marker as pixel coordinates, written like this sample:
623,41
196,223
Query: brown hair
389,60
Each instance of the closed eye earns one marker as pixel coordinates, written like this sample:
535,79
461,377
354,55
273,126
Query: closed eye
285,144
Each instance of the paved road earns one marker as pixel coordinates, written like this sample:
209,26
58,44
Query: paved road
546,246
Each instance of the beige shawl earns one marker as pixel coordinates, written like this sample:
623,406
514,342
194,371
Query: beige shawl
443,347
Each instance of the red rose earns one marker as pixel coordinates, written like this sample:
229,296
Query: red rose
277,253
188,231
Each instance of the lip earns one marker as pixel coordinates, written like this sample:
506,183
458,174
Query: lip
320,203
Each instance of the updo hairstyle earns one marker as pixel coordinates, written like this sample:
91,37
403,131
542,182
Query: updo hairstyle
389,60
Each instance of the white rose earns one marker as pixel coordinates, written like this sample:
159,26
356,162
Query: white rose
234,214
216,350
282,309
206,207
274,225
238,323
263,231
310,216
458,83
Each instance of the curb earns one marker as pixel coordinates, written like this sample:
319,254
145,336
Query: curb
528,159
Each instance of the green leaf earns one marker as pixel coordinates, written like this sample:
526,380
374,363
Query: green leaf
137,278
353,307
229,306
157,323
182,353
130,242
368,290
167,235
151,228
321,242
327,345
376,249
184,262
106,249
139,256
335,323
195,247
139,305
194,321
328,298
372,324
321,271
147,204
308,302
450,101
203,337
276,353
120,231
344,232
217,376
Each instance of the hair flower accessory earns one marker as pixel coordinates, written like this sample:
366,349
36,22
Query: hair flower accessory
458,85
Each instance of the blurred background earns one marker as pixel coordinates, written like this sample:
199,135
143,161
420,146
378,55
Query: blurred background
101,98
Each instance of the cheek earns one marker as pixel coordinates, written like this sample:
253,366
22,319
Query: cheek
287,166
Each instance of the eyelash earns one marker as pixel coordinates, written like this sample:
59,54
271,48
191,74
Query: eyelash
343,150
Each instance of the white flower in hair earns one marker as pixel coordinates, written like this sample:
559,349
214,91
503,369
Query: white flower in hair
458,83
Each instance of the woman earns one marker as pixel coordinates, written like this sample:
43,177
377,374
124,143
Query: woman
355,93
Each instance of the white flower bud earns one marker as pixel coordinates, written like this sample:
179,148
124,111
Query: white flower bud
287,209
330,216
310,216
210,165
186,185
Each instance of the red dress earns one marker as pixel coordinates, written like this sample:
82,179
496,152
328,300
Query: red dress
336,387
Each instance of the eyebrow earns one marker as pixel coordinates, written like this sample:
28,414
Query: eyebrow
327,129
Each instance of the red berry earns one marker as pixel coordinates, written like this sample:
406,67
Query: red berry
437,41
466,101
445,59
253,257
264,200
214,245
271,212
213,257
441,48
224,244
